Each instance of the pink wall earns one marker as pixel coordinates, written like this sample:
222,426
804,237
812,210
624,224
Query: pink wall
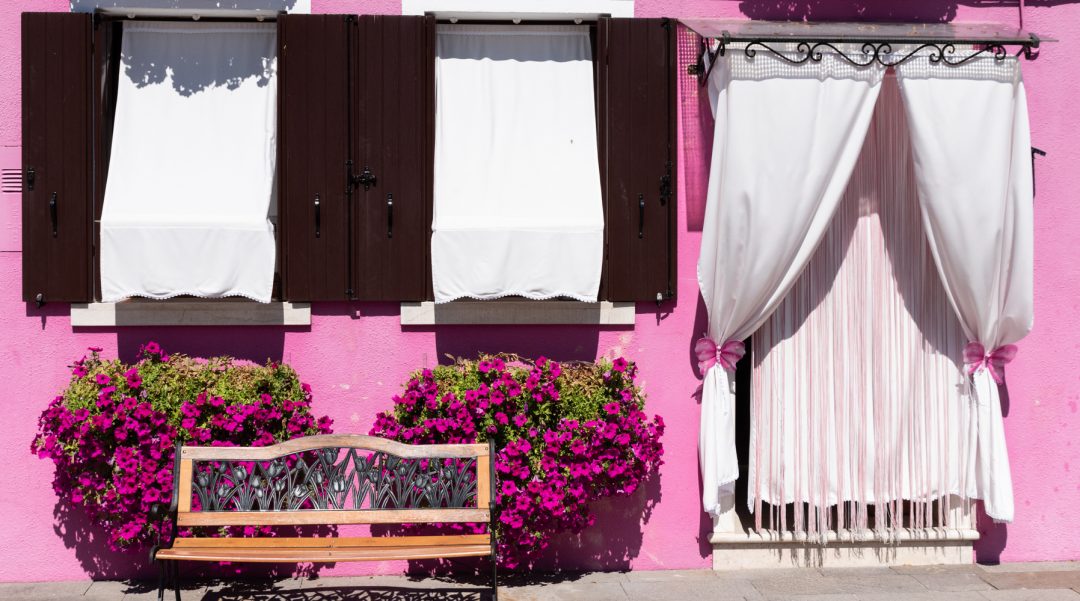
356,355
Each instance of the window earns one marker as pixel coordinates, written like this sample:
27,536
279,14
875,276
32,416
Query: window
518,207
191,169
355,157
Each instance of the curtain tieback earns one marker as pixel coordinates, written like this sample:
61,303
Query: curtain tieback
727,355
976,358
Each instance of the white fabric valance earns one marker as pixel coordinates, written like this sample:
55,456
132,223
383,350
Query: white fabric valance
191,172
518,209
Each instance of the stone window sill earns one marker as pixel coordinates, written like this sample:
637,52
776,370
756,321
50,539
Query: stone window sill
517,312
186,312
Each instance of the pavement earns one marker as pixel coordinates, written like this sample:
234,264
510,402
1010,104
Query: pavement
1007,582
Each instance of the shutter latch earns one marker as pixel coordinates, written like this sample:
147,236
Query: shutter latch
30,177
366,179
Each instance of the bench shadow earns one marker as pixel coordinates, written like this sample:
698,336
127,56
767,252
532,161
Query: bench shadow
255,592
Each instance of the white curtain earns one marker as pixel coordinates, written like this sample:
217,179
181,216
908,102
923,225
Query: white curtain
191,172
518,209
786,140
971,146
857,392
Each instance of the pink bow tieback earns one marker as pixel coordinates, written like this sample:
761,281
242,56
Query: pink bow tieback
976,358
708,354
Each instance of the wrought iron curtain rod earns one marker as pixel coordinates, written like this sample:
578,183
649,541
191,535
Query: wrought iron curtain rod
942,51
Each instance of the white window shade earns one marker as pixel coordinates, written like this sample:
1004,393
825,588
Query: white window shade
191,172
518,208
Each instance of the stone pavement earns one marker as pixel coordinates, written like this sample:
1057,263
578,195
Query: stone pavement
1007,582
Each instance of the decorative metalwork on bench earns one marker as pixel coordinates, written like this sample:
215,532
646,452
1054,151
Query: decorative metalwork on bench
334,478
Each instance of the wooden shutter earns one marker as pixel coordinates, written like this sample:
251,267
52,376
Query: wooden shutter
636,98
313,209
57,159
394,99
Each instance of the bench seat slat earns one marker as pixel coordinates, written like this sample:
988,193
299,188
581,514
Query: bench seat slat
328,517
322,555
328,542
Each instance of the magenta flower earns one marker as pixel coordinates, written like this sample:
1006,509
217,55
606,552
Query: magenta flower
113,449
612,408
619,364
134,380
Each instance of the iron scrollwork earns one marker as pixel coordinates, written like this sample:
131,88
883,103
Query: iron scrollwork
334,478
877,52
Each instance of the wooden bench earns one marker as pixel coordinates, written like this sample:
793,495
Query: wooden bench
327,480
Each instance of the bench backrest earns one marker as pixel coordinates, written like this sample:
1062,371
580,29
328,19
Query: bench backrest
333,479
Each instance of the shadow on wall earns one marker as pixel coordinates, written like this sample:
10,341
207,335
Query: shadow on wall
609,545
88,539
923,11
79,6
992,539
565,343
248,343
919,11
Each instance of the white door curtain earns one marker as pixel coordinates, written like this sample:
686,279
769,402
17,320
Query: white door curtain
786,141
860,421
518,209
191,173
971,144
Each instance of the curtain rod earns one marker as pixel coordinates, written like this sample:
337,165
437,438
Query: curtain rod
875,42
811,49
213,15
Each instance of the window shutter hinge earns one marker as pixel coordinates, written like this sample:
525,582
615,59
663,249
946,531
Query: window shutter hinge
665,185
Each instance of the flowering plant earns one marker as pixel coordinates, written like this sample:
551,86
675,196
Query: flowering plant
566,435
112,431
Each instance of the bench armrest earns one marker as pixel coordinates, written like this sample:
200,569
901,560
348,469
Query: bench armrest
160,514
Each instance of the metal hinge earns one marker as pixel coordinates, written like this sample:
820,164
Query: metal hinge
665,185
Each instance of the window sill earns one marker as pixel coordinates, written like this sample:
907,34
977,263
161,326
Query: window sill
190,313
517,312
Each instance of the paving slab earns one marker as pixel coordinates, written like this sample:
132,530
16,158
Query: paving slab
927,596
879,583
1033,566
938,569
1031,595
1047,579
44,590
599,591
952,581
824,597
668,575
705,589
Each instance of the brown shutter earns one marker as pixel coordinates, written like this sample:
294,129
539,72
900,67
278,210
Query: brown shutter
57,158
394,98
313,210
636,96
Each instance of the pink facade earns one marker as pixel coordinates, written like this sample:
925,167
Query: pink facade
356,356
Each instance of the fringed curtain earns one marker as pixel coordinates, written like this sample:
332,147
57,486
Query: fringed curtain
858,397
